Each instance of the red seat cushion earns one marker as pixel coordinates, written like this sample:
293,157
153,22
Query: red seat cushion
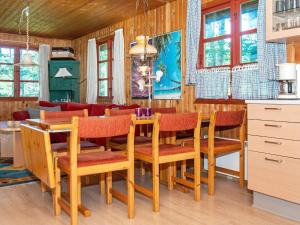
221,145
137,140
92,159
84,145
165,149
63,106
73,106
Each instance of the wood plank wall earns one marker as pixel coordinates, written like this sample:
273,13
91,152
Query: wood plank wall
8,107
170,17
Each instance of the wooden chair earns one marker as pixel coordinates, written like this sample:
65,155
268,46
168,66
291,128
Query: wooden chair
77,164
120,143
170,153
215,146
60,149
38,155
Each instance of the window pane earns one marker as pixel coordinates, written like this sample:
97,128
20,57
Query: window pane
103,88
29,89
29,73
103,70
217,53
6,89
7,55
217,24
34,55
6,72
249,15
103,52
249,48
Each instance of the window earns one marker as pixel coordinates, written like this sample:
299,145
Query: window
17,81
229,34
105,60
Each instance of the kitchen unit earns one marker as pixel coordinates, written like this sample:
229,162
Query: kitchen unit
282,20
274,155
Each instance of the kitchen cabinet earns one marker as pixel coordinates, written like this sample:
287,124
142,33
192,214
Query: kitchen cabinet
283,20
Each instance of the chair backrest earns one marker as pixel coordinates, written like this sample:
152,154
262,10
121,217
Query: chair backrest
93,127
229,118
164,110
177,122
119,112
63,114
38,154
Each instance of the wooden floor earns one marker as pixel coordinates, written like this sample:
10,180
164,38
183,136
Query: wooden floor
26,205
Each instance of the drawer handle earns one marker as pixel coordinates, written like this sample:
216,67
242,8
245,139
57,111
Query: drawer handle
272,125
273,160
270,108
273,142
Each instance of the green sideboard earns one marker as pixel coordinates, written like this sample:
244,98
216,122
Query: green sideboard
64,88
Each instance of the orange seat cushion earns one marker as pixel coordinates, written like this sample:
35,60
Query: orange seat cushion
165,149
221,145
138,140
62,147
92,159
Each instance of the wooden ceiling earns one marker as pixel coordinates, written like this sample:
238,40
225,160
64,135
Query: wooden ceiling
67,19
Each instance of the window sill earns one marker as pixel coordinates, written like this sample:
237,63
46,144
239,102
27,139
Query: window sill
220,101
13,99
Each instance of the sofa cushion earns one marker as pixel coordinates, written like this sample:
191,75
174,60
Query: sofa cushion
20,115
97,109
63,106
134,106
73,106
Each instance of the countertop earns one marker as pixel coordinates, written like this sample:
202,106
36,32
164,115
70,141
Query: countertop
275,102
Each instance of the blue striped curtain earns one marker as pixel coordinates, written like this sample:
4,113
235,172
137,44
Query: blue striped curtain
193,24
260,82
213,83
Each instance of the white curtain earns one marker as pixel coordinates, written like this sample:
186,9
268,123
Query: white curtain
118,86
91,91
44,52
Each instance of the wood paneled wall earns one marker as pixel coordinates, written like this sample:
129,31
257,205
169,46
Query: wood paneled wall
8,107
170,17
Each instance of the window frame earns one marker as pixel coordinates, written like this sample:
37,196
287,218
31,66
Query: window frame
17,75
109,42
235,35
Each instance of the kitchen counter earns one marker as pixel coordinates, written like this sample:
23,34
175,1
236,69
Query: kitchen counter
275,101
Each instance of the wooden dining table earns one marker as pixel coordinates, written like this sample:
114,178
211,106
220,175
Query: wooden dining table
65,125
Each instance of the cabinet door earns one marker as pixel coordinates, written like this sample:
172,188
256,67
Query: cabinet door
71,66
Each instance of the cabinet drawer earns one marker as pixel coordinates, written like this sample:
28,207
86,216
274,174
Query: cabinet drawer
274,146
288,113
274,175
274,129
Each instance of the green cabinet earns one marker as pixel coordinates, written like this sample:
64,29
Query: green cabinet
64,88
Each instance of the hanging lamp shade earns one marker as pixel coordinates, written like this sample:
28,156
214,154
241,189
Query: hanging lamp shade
143,48
63,72
26,61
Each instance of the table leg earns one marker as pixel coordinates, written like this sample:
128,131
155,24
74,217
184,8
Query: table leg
18,150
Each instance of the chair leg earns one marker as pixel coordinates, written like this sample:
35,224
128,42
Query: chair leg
108,187
79,191
170,176
197,178
211,174
73,199
43,187
242,166
102,183
130,194
155,183
183,169
57,192
142,169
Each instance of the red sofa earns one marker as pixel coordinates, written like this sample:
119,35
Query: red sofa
93,110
